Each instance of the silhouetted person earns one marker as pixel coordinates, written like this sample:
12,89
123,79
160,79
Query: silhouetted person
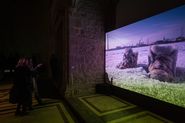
54,66
107,78
35,74
34,60
23,86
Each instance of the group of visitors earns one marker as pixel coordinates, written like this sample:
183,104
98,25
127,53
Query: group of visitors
25,77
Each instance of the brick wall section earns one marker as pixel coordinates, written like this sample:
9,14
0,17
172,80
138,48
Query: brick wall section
86,47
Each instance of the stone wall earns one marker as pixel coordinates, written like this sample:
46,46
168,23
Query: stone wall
58,45
86,47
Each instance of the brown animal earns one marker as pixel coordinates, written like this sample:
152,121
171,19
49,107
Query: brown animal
162,62
129,59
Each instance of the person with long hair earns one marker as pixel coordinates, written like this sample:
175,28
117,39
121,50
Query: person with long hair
23,86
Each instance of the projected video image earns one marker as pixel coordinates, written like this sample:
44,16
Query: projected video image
148,56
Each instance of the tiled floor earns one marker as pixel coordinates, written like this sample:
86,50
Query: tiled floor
111,109
92,109
53,111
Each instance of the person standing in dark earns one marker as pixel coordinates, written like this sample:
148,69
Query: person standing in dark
23,86
54,66
35,73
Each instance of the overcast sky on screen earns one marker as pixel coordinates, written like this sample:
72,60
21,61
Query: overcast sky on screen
168,25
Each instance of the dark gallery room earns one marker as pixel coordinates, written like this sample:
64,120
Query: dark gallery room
92,61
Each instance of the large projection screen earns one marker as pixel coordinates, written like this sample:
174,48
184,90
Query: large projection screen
148,57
